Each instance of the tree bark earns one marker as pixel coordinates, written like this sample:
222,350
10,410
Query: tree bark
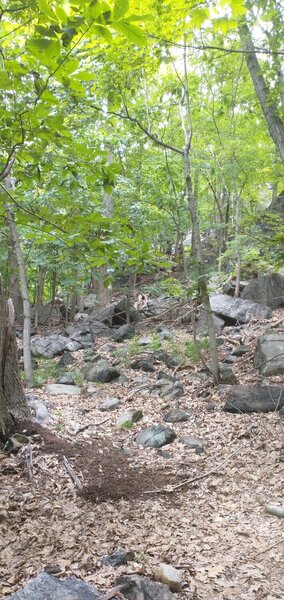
12,399
26,302
269,109
14,288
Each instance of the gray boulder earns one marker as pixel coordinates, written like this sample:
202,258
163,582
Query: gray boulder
145,364
56,389
66,359
42,415
237,311
143,588
67,378
269,355
201,325
109,404
99,329
127,420
73,346
177,415
254,398
48,346
46,587
193,443
102,372
117,558
155,436
124,332
80,333
227,375
266,289
115,314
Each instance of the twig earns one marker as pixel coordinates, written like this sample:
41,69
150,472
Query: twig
264,362
72,474
266,549
90,425
29,461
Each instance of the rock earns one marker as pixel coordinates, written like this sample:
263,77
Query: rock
155,436
164,333
109,404
145,364
48,346
266,289
169,575
144,341
16,442
80,333
170,391
46,587
274,509
227,375
142,588
201,325
236,311
164,375
193,443
240,350
89,301
56,389
81,317
127,420
230,359
157,306
66,360
281,412
102,372
124,332
99,329
176,415
73,346
170,361
229,287
115,314
269,355
254,398
67,378
42,415
118,558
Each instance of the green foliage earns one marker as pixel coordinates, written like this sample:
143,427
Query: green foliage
47,369
193,349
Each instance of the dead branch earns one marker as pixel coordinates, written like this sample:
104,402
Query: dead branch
72,474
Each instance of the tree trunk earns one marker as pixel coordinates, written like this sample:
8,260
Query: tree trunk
14,288
202,282
12,399
39,292
26,302
269,109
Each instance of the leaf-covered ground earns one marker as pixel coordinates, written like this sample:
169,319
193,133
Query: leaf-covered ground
214,529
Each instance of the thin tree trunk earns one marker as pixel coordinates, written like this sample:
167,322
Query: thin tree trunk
202,281
269,109
12,399
14,288
28,368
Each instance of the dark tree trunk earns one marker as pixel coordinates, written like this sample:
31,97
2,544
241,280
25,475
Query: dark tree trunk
12,399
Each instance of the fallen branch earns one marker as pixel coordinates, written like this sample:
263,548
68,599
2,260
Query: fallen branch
266,549
72,474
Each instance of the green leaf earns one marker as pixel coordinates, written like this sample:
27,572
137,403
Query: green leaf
120,8
46,10
133,33
43,46
103,31
84,76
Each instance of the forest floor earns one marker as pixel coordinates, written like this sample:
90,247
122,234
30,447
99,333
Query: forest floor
214,529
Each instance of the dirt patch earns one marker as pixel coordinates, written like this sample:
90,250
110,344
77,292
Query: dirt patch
106,472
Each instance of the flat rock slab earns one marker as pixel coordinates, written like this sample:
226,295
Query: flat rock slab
109,404
269,355
235,310
56,389
155,436
267,289
48,346
177,415
46,587
254,398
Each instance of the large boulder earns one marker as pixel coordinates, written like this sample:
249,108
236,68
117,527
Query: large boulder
266,289
47,312
155,436
102,372
80,333
254,398
115,314
48,346
201,325
99,329
124,332
46,587
143,588
237,311
269,355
